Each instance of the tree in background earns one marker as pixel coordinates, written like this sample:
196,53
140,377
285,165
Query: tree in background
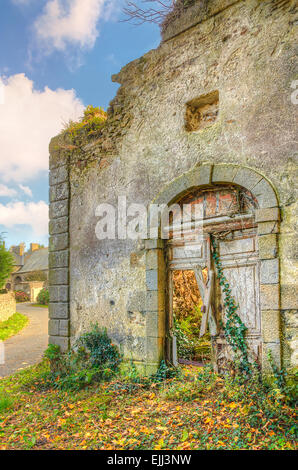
6,263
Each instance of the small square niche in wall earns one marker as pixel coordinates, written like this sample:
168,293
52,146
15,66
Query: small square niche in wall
201,112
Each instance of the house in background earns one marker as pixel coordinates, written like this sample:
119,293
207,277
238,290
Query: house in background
30,273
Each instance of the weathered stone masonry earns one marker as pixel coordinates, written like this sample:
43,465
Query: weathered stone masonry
242,54
59,324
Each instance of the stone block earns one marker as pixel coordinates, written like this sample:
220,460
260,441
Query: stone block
59,154
58,293
152,301
271,326
59,311
152,279
58,276
247,178
152,259
268,246
267,215
289,296
200,176
59,209
173,190
58,175
59,192
265,195
270,271
152,324
63,342
64,327
224,173
269,294
58,242
265,228
59,259
155,348
154,244
58,226
54,327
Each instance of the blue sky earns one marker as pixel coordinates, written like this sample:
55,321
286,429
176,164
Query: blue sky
57,56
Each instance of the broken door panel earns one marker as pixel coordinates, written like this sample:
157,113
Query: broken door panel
241,268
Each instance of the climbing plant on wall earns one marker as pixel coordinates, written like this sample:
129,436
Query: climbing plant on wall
234,328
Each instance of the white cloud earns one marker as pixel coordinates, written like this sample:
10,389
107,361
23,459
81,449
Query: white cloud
71,22
7,192
28,120
34,214
26,190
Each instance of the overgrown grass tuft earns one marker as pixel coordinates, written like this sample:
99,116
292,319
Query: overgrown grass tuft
12,326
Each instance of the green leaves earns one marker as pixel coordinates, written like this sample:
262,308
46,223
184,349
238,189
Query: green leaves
6,263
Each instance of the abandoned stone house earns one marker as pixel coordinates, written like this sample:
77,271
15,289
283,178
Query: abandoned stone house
207,118
30,273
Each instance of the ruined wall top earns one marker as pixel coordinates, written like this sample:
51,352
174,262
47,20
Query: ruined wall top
197,13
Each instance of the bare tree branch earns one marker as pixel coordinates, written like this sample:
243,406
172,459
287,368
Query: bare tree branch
158,12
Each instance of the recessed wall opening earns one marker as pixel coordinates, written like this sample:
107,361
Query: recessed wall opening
202,112
187,312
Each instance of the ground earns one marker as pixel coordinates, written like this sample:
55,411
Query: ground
27,347
180,413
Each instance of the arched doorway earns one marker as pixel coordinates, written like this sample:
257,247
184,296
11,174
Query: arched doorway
249,222
227,222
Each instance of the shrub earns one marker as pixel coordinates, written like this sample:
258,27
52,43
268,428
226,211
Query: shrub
21,296
90,124
43,297
93,359
189,345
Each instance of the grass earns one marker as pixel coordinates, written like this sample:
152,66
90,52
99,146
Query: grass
39,305
12,326
6,403
184,413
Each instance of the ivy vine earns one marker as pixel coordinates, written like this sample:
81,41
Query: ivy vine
234,328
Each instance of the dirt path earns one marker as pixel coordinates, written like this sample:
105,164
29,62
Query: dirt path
27,347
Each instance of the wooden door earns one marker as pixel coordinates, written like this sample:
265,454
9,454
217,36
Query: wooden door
239,258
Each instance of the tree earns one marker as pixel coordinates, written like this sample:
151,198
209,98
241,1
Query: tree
6,263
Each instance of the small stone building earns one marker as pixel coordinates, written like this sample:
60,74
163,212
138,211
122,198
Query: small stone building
207,118
31,267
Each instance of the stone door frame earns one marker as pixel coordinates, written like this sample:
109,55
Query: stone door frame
267,219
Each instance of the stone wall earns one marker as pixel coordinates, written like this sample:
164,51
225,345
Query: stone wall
244,53
7,306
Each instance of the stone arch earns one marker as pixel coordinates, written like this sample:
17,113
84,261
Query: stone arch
267,218
208,174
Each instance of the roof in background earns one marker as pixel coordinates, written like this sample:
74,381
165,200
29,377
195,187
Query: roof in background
38,261
19,259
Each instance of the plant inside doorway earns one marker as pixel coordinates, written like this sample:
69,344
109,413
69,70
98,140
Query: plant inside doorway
187,316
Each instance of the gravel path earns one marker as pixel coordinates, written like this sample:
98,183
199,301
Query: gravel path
27,347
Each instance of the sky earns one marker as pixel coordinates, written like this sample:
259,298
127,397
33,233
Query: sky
56,57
